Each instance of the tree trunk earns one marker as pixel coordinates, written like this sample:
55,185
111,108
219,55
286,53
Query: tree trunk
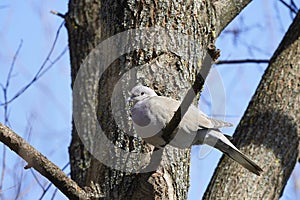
91,22
269,131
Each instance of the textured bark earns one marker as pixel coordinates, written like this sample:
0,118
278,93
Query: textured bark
89,23
269,131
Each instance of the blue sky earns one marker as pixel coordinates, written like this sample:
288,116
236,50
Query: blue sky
42,114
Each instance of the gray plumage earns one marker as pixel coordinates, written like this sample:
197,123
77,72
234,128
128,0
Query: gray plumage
151,113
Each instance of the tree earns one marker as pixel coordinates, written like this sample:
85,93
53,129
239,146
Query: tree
269,127
101,22
90,23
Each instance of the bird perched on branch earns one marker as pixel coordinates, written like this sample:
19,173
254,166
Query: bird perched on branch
151,113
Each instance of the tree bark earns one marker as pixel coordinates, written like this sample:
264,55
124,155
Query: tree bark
269,131
91,22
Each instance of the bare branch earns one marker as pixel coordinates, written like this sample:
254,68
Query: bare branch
40,163
45,190
220,62
6,113
8,79
3,169
42,69
57,13
13,64
292,9
168,131
36,179
53,196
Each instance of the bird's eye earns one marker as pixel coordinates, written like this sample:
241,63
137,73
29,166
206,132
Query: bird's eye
142,93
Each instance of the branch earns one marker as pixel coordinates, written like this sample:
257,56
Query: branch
42,70
289,6
57,13
220,62
45,190
6,112
169,131
40,163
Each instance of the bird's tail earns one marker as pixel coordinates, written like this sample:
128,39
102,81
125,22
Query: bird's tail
216,139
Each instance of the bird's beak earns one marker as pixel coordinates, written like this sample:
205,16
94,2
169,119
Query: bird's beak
130,96
129,99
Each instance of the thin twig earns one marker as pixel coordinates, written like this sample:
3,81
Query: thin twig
45,191
50,184
19,185
289,6
54,194
53,62
169,132
40,163
36,179
13,64
3,169
42,69
57,13
6,113
244,61
8,79
293,5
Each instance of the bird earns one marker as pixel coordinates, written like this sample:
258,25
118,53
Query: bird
150,113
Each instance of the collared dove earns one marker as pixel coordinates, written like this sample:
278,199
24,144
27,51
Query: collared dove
150,113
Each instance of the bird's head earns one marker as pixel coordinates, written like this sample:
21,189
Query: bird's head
140,92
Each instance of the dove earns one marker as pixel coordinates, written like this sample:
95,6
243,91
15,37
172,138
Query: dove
150,113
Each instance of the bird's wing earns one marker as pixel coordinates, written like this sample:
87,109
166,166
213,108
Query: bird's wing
214,123
163,108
